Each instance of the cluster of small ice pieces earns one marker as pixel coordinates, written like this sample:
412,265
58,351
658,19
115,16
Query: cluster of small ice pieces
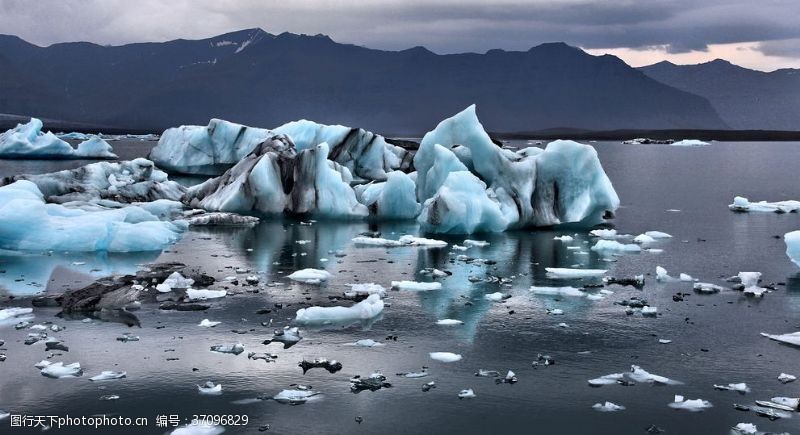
27,141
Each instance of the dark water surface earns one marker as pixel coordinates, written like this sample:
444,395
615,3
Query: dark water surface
715,338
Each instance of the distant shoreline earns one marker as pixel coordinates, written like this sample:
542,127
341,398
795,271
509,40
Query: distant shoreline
10,121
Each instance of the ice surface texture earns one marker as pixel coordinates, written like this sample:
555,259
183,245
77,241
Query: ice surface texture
27,141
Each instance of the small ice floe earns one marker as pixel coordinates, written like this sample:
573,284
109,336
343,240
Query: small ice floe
363,290
295,397
466,394
792,338
449,322
332,366
689,143
235,348
707,288
565,239
476,243
744,429
310,276
614,247
288,336
200,295
59,370
635,281
570,273
511,378
459,248
742,204
610,379
175,281
406,240
210,388
772,411
639,374
664,341
562,325
420,374
416,286
446,357
792,403
649,311
198,429
373,382
496,297
558,291
750,283
740,387
436,273
657,235
252,279
555,311
604,234
205,323
128,337
643,239
428,386
14,314
487,373
785,378
662,275
364,310
108,375
367,342
607,407
543,360
685,277
692,405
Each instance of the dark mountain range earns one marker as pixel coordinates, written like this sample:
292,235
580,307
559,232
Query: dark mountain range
744,98
257,78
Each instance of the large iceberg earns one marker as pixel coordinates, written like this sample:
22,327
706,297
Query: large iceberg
27,141
212,149
27,223
564,183
274,178
124,182
792,240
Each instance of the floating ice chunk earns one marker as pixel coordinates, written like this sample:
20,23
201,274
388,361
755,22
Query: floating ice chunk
740,387
288,336
364,290
15,314
685,277
785,378
373,382
570,273
235,348
107,375
613,246
27,223
208,323
689,143
664,341
416,286
364,310
199,429
496,296
657,235
466,394
463,205
639,374
606,379
310,276
295,397
792,241
565,239
608,234
692,405
662,275
367,342
449,322
199,295
743,205
557,291
206,150
791,402
643,239
396,198
750,283
446,357
555,311
177,281
705,287
27,141
607,407
792,338
476,243
406,240
436,273
744,429
210,388
58,370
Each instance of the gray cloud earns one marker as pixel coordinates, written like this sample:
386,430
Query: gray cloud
445,26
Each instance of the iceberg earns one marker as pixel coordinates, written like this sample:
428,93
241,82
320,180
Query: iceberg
564,183
462,205
310,276
742,204
206,150
27,141
124,182
364,310
275,179
27,223
792,241
689,143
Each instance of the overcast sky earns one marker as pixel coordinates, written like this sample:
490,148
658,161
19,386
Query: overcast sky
761,34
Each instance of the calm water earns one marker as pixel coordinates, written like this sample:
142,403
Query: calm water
715,338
